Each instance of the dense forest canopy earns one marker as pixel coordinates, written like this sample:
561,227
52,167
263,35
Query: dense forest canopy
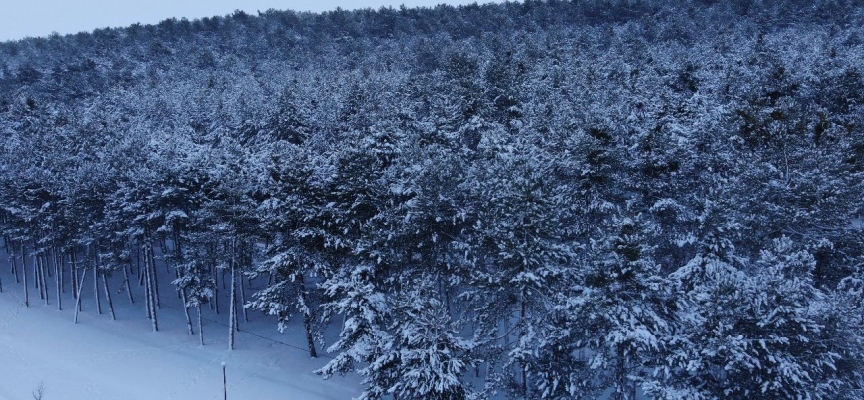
544,199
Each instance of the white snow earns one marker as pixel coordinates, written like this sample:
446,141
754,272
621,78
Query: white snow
100,359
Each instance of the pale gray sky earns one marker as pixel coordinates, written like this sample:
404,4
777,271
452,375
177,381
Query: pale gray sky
22,18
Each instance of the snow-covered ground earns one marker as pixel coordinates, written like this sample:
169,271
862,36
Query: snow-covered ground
102,359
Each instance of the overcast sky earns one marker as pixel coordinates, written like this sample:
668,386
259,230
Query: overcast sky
22,18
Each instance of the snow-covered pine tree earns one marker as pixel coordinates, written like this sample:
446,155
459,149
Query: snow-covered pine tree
426,357
619,314
759,333
367,314
196,284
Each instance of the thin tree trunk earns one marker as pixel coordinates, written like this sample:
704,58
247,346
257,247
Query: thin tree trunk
178,259
236,317
78,296
148,297
232,318
11,253
61,265
58,279
216,288
186,310
108,296
13,260
96,288
74,269
150,269
163,249
37,277
126,269
24,274
310,339
35,272
200,326
307,318
38,262
243,300
138,265
153,277
43,269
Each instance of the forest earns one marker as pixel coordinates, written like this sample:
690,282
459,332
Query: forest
532,200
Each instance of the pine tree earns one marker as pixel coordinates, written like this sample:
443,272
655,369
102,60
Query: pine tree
620,316
425,358
756,334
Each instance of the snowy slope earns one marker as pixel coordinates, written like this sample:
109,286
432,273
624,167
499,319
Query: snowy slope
103,359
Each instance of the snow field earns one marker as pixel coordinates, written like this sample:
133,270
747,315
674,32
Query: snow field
100,359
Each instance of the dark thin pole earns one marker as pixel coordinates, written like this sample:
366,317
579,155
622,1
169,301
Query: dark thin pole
224,383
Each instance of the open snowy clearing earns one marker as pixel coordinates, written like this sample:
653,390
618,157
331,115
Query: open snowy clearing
123,359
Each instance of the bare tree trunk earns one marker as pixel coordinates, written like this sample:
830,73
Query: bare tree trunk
232,319
58,279
138,264
108,296
307,318
61,264
216,288
78,296
200,326
186,310
236,318
43,269
14,263
148,296
11,260
243,300
37,274
24,273
155,296
96,288
153,277
74,269
310,339
126,269
154,289
178,260
150,269
11,253
163,249
524,368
